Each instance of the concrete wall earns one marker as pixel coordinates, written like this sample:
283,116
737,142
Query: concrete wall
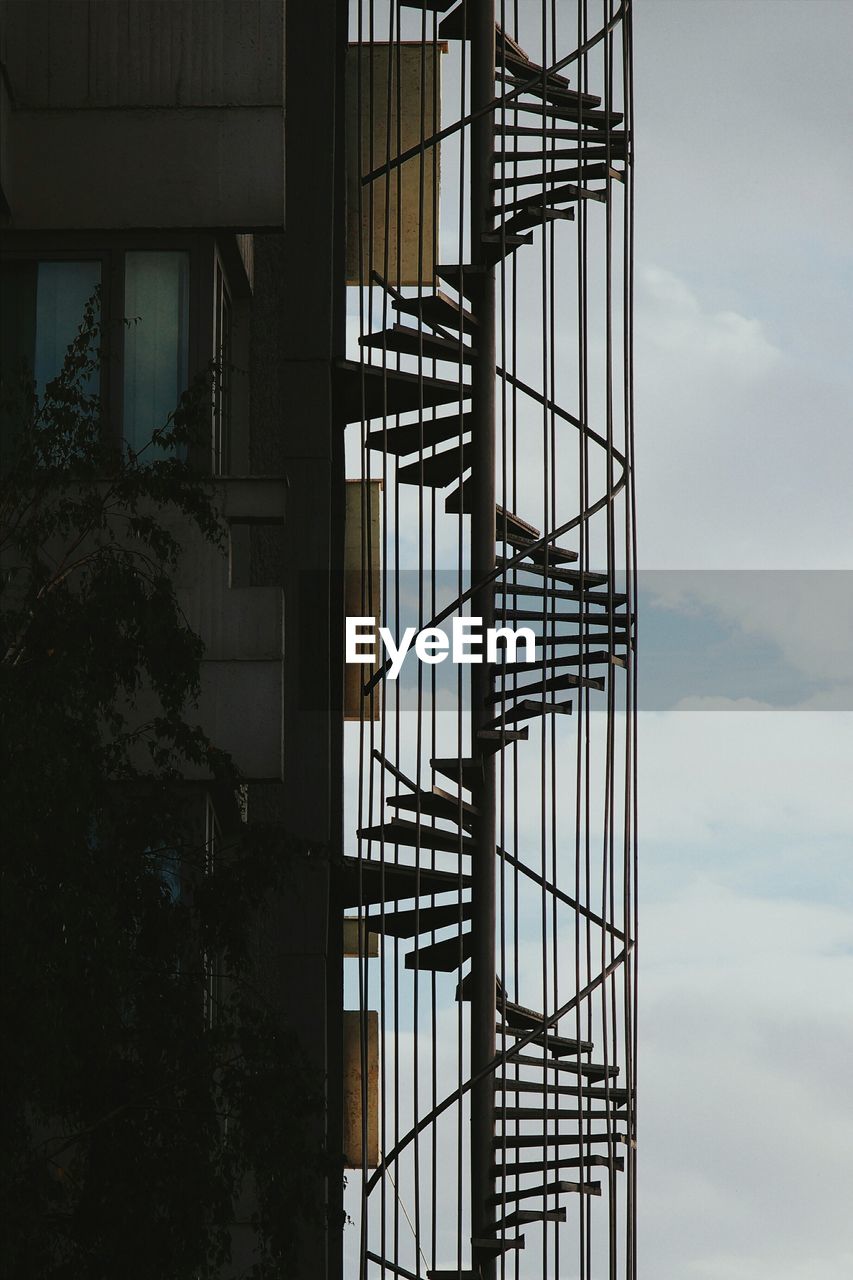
184,114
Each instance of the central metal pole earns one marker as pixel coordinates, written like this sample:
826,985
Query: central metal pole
481,26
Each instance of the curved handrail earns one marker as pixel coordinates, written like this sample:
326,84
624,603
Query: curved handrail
494,1063
449,130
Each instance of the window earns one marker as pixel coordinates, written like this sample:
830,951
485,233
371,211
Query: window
178,302
41,308
156,346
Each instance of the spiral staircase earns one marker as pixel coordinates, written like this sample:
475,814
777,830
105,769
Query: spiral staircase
562,1106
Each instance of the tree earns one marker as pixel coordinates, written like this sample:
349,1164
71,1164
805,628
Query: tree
146,1081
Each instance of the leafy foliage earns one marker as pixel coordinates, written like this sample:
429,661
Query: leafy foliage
147,1084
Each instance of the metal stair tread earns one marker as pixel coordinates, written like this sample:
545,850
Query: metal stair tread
618,1096
424,835
437,802
387,392
390,881
547,686
415,922
587,577
458,768
411,437
558,1046
555,555
519,1141
521,1217
443,956
590,1070
520,1168
530,709
404,340
438,309
507,1194
436,470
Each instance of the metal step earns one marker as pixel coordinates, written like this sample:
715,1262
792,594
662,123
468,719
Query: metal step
617,1096
530,709
389,881
557,1046
421,835
550,616
512,1115
589,1070
439,803
548,1189
523,73
545,178
598,151
544,686
556,661
462,770
431,6
438,470
553,684
587,596
518,1168
559,195
498,738
444,956
499,244
596,119
583,577
464,277
411,437
520,1217
414,342
414,923
556,555
542,135
369,391
536,216
438,309
518,1141
491,1245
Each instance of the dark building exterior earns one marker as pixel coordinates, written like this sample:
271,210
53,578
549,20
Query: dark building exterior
155,149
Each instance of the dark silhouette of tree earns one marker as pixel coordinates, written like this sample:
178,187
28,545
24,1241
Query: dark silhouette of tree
147,1083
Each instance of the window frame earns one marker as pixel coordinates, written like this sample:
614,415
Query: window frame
207,267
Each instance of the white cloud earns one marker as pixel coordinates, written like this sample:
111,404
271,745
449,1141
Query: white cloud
673,320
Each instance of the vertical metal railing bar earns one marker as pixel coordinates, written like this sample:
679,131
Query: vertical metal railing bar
362,957
631,845
421,582
552,395
500,708
460,552
483,975
583,700
608,1025
395,137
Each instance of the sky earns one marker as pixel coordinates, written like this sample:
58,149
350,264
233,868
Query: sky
744,410
744,448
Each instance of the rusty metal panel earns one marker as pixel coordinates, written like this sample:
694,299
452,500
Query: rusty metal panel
357,942
362,593
402,204
355,1157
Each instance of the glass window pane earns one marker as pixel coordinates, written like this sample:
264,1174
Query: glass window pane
156,346
42,309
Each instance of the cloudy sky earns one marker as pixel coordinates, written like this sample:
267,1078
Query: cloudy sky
744,446
745,455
